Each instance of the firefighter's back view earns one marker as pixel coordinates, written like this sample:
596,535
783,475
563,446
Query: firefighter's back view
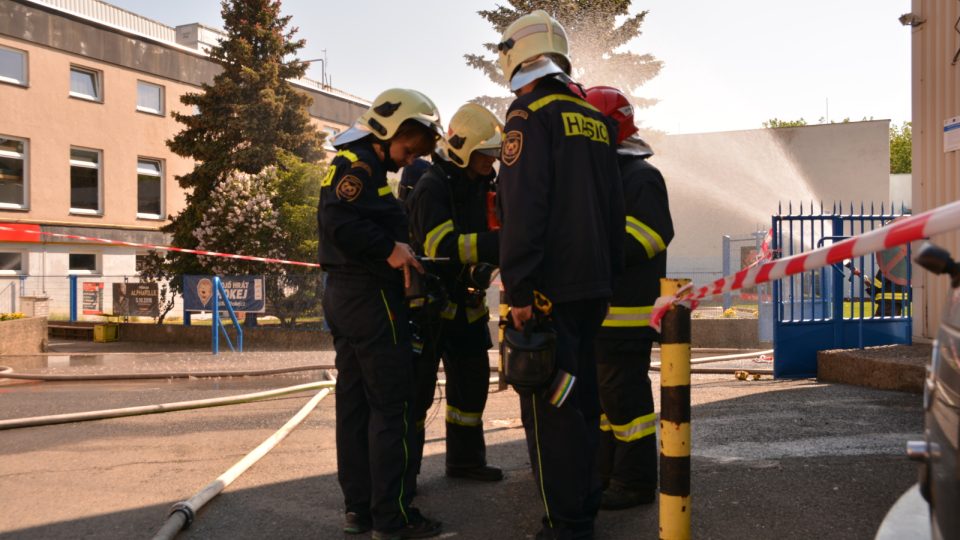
561,209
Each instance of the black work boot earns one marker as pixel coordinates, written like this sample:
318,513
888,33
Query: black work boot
419,526
483,473
618,498
355,523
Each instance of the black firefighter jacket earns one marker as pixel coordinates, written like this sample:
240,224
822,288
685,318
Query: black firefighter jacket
359,218
448,219
560,199
649,230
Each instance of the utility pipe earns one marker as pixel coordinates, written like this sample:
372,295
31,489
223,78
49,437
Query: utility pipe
183,513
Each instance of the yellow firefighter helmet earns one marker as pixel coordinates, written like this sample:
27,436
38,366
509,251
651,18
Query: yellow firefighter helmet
472,129
390,109
533,46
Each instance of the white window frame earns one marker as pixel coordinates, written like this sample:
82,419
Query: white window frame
84,272
160,176
149,110
25,157
23,263
24,79
99,168
97,83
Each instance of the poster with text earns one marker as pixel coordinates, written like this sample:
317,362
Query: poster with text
245,293
93,298
136,299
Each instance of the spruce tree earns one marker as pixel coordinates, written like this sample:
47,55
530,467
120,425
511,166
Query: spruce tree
245,119
594,37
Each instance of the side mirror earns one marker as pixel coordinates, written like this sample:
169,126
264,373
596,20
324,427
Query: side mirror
938,261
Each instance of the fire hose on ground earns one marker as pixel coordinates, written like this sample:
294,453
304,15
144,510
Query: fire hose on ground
183,513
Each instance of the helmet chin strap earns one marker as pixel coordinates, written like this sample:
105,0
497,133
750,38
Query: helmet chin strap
388,162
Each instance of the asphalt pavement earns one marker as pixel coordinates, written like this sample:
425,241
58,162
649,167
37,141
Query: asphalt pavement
771,458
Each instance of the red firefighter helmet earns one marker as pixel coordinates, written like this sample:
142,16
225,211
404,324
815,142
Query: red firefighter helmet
614,104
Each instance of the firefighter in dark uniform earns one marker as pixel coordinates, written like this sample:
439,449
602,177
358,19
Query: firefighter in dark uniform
627,458
561,209
448,220
363,234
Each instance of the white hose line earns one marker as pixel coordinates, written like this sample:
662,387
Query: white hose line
160,408
709,359
184,512
7,373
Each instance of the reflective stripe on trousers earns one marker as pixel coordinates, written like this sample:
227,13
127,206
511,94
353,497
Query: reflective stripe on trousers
628,316
637,428
461,418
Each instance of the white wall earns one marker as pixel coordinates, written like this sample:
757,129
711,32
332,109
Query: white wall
732,182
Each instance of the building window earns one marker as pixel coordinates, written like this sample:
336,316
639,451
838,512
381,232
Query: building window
13,172
84,181
149,97
13,66
149,189
85,84
11,263
83,263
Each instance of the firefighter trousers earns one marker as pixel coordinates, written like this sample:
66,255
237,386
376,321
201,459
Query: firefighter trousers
467,368
562,440
375,376
627,455
463,349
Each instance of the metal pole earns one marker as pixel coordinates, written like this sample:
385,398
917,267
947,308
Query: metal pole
73,298
675,418
215,316
726,269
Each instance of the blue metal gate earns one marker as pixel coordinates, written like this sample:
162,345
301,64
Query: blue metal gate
862,302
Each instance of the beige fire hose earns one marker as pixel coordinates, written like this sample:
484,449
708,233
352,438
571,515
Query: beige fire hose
161,408
183,513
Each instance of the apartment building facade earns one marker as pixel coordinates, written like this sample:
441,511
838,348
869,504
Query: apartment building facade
86,95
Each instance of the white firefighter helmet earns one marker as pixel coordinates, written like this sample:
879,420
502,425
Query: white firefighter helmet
390,109
472,129
533,46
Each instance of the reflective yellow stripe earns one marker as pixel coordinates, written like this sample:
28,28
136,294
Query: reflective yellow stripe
638,428
467,246
624,317
418,302
476,313
651,241
432,242
544,101
449,312
891,296
461,418
349,155
328,178
385,190
877,283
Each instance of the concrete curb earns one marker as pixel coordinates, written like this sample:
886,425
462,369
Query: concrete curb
889,367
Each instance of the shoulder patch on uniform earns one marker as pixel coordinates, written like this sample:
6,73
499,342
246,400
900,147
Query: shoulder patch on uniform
362,165
349,188
512,146
519,113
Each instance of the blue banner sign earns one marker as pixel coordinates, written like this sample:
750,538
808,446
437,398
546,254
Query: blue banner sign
245,293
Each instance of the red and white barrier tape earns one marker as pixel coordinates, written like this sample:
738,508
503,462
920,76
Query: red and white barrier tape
939,220
159,248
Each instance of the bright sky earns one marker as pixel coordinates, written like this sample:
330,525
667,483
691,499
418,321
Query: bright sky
728,65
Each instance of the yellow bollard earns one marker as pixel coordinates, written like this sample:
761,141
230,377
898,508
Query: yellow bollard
675,417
